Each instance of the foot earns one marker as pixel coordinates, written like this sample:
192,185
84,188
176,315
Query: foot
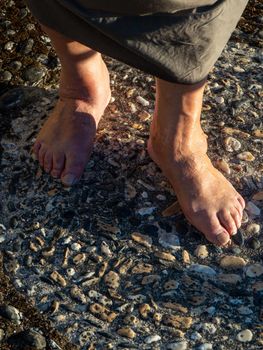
208,200
65,142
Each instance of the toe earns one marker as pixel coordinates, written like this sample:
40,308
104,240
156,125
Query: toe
41,155
48,161
242,202
36,148
74,168
227,221
215,233
235,213
58,164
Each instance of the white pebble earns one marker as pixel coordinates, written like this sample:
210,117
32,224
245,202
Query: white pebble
142,101
75,247
254,270
202,269
205,346
245,336
182,345
152,339
220,99
201,251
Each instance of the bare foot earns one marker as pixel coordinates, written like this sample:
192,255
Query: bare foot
207,199
65,142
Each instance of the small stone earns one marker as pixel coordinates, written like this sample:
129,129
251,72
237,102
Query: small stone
170,285
258,286
254,270
142,239
142,268
232,131
182,345
231,262
126,332
232,144
186,257
55,276
5,76
254,243
76,293
201,251
245,217
229,278
244,310
11,313
144,309
177,321
258,133
112,279
75,247
131,320
209,328
146,211
220,99
205,346
253,229
245,336
29,338
168,240
258,196
144,116
165,256
252,209
34,74
2,334
152,339
142,101
222,165
176,307
150,279
246,156
105,249
202,269
172,210
79,258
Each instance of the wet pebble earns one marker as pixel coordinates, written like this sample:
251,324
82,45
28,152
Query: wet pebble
222,165
11,313
245,336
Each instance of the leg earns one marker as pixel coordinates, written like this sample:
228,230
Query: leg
178,145
65,142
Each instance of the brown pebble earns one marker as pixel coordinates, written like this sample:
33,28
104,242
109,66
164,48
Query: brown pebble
126,332
177,321
144,309
150,279
230,262
175,307
112,279
165,256
142,268
55,276
142,239
171,210
186,257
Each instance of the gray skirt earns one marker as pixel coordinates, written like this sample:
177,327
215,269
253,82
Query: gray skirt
175,40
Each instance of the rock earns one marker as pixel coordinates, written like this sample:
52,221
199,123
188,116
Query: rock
245,336
258,133
232,131
126,332
222,165
201,251
11,313
202,269
253,229
254,270
146,211
176,307
168,240
252,209
258,286
254,243
142,268
29,338
209,328
5,76
182,345
102,312
76,293
258,196
231,262
170,285
165,256
229,278
130,320
186,257
33,74
2,334
246,156
56,277
220,99
152,339
172,210
177,321
238,238
232,144
75,247
245,217
144,309
142,101
105,249
112,279
150,279
244,310
205,346
142,239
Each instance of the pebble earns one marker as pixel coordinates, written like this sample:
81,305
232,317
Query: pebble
11,313
146,211
247,156
205,346
253,229
168,240
177,321
258,196
186,257
171,210
229,278
220,99
75,247
244,310
144,309
252,209
112,279
2,334
30,338
202,269
126,332
142,239
254,270
209,328
165,256
222,165
55,276
231,262
245,336
152,339
34,74
201,251
5,76
182,345
232,144
77,294
142,101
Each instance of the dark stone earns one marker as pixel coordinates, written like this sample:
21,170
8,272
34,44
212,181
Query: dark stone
28,338
238,238
12,99
34,74
254,243
149,229
9,312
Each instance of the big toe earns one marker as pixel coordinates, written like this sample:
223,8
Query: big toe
74,168
214,231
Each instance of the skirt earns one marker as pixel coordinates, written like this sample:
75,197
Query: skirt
175,40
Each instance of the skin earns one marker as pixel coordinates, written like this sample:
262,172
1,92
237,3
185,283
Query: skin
176,144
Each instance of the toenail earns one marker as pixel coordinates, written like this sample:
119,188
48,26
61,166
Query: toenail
221,238
234,233
69,179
